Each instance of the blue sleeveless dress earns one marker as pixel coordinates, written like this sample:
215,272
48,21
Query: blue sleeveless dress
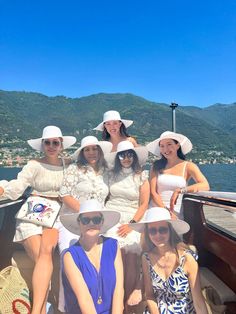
173,295
100,284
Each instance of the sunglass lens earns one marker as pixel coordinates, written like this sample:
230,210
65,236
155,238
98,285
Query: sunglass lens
85,220
97,220
124,155
152,231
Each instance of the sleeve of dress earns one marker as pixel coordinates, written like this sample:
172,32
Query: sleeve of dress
15,188
144,176
70,179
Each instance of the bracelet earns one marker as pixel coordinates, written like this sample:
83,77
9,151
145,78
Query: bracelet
183,190
132,221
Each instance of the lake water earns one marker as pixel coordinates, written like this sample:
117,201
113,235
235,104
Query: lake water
221,177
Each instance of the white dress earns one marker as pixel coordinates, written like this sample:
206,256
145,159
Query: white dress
44,179
124,197
167,184
83,184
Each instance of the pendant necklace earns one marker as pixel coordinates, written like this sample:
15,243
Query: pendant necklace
99,277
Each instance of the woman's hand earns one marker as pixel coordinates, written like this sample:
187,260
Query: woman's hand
1,191
123,231
173,199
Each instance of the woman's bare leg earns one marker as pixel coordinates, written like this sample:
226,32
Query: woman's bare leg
131,275
32,246
43,270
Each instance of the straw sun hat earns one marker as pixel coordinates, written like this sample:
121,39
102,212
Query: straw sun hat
141,152
51,131
156,214
110,116
184,142
92,140
70,221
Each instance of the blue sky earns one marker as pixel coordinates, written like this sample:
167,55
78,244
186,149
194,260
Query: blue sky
164,51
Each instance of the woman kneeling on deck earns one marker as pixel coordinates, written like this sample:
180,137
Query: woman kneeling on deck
170,269
92,268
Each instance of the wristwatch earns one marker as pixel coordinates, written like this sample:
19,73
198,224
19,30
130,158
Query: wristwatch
132,221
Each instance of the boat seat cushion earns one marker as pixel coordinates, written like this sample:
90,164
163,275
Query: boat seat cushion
208,278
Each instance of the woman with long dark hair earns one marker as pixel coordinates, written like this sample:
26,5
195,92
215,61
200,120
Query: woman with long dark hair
170,174
129,194
170,269
114,129
44,175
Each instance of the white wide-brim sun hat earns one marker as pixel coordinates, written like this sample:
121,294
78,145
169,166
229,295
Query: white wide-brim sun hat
51,131
70,221
156,214
112,115
141,152
184,142
92,140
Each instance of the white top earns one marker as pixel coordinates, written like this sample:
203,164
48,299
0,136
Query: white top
84,183
43,178
167,184
124,197
124,192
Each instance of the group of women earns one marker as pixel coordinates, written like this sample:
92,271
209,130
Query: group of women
104,190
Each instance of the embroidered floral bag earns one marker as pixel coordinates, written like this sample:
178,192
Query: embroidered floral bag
40,211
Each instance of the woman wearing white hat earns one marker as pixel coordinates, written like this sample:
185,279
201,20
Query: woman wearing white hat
44,175
87,178
170,174
170,269
129,194
114,129
93,269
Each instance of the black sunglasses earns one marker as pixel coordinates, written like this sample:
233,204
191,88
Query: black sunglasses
96,220
126,154
53,143
160,230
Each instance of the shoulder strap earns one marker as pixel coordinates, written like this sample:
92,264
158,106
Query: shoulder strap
184,168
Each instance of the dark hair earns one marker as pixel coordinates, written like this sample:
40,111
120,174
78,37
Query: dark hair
174,240
160,164
83,164
123,132
135,164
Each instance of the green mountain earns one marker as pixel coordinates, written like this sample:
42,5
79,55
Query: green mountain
23,115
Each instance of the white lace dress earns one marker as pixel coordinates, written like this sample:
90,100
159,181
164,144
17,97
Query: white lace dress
124,197
84,184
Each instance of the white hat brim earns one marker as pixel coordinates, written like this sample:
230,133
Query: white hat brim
106,147
70,222
141,152
185,143
100,126
37,142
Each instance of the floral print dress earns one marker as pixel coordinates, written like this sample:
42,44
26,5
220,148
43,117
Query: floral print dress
173,295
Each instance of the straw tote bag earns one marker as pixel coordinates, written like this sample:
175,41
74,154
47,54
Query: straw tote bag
40,211
14,293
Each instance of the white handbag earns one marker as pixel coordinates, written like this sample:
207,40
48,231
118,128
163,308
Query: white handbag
40,211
